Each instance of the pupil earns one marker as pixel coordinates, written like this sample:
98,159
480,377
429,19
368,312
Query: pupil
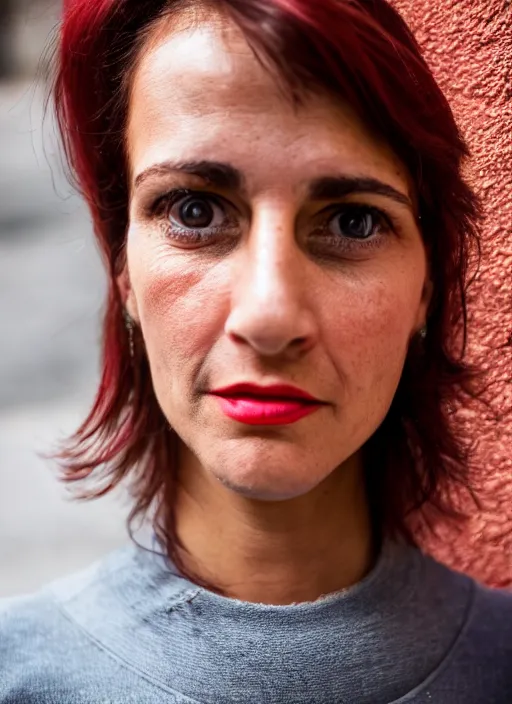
356,225
196,213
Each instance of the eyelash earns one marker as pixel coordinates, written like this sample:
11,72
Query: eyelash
384,222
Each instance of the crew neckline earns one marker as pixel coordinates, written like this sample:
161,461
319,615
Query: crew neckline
372,642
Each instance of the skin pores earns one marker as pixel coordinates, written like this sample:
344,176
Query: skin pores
263,282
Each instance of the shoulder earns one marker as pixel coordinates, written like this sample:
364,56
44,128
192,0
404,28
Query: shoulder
490,621
47,657
478,666
36,645
477,663
29,621
25,622
483,603
486,628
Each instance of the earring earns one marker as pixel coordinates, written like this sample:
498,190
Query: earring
422,332
130,326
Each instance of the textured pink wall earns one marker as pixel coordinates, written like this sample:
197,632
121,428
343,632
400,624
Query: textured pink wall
468,45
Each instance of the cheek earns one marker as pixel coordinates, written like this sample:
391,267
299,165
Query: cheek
369,332
181,304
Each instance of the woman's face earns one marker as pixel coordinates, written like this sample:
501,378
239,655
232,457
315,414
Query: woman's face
267,245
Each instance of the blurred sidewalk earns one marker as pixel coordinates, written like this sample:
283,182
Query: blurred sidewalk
51,293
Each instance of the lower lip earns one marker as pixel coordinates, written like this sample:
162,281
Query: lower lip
253,411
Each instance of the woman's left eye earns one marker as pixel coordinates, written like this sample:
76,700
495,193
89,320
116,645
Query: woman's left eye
358,222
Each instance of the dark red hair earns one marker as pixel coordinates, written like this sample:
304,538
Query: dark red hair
359,51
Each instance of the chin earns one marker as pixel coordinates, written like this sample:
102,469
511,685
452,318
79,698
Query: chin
264,468
278,481
261,493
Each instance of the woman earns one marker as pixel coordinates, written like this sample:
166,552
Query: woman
276,187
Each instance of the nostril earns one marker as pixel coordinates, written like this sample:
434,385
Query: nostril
302,344
272,330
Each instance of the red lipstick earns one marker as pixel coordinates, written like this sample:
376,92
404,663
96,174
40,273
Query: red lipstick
278,404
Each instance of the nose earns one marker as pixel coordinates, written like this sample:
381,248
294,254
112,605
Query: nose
270,305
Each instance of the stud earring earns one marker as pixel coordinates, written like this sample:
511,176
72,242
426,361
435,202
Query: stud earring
422,332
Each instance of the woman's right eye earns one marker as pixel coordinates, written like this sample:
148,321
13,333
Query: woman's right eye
196,212
195,218
191,210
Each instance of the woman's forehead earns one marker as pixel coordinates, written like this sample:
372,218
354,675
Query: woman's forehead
200,93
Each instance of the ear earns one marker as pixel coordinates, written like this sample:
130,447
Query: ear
127,295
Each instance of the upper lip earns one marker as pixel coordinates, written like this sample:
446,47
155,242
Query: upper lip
282,391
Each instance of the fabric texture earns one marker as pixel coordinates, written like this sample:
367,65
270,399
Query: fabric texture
468,45
129,629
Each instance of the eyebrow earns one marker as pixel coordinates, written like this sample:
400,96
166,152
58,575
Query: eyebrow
225,176
213,172
333,187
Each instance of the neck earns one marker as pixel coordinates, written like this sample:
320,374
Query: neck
279,552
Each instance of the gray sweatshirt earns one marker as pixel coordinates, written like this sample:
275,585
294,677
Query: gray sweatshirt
129,629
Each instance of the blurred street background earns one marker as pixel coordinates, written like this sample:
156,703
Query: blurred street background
51,295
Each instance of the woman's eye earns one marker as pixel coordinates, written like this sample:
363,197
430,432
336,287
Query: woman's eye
196,212
193,220
357,222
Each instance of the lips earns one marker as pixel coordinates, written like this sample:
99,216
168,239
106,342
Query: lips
278,404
